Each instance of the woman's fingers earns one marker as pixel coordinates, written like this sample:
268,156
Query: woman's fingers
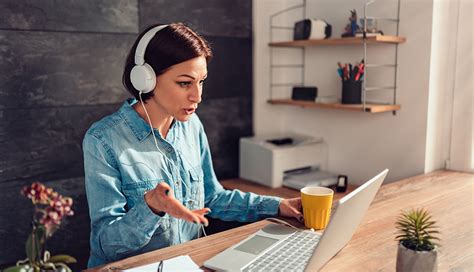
295,211
203,211
176,209
203,220
291,208
184,214
165,189
297,208
297,214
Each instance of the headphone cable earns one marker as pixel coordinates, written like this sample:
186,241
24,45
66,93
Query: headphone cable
156,144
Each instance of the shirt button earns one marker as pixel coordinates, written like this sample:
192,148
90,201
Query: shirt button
177,183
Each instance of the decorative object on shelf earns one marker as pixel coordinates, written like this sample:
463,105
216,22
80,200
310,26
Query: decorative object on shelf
417,249
312,29
49,209
371,28
304,93
352,27
351,82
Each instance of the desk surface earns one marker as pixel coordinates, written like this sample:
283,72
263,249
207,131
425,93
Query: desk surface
448,195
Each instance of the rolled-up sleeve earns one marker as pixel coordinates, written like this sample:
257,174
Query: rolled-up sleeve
115,231
232,205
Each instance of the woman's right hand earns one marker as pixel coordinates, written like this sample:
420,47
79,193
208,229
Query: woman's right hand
161,199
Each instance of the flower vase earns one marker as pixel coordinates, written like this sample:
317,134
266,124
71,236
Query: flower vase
409,260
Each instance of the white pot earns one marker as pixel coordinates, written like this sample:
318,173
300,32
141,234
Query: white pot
409,260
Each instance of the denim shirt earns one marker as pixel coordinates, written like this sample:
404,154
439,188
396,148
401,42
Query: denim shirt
121,163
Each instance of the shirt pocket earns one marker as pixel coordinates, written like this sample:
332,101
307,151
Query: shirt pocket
196,178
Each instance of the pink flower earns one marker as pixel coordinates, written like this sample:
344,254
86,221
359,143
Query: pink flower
51,216
68,211
62,205
51,205
67,201
37,192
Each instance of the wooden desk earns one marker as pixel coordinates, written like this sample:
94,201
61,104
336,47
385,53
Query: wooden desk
285,192
448,195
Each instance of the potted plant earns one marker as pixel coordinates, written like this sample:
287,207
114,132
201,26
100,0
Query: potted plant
416,234
49,209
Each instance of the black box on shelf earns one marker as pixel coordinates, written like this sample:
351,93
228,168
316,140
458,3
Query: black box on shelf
304,93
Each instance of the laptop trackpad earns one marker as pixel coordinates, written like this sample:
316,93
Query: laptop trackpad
236,257
259,243
256,244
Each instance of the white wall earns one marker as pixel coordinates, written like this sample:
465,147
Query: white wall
450,131
443,57
360,144
462,138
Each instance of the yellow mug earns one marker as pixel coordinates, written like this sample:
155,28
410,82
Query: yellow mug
317,202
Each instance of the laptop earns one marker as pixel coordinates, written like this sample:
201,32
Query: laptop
281,248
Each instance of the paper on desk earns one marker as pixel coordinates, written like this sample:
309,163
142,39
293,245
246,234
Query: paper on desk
181,263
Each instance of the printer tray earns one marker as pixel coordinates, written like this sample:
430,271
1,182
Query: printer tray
309,177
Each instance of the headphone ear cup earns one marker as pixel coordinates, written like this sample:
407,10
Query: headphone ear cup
143,78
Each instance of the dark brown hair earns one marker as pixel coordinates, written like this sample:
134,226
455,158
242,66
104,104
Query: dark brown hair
173,44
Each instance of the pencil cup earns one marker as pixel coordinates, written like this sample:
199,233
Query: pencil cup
317,202
351,92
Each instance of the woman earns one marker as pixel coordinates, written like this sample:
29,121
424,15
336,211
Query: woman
151,188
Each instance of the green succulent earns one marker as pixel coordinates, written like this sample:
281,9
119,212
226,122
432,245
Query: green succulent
416,230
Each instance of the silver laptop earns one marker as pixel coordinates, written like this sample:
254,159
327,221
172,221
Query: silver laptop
281,248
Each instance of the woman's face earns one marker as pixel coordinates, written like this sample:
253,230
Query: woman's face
178,91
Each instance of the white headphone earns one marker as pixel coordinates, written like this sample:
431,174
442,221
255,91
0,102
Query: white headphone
143,76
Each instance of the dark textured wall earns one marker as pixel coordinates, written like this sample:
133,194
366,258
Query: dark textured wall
60,70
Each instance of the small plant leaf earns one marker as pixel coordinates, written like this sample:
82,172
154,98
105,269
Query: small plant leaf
35,242
62,259
30,251
416,229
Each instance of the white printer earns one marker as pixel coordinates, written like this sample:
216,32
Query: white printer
266,163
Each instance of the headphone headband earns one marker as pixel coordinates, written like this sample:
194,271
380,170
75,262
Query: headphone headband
142,76
143,43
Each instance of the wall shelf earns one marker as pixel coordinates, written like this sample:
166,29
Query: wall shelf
301,46
379,39
372,108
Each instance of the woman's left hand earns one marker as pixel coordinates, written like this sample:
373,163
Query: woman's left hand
291,207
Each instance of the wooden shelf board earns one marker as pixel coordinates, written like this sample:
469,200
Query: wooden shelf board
372,108
340,41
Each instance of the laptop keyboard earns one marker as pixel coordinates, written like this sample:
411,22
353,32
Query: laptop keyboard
292,254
